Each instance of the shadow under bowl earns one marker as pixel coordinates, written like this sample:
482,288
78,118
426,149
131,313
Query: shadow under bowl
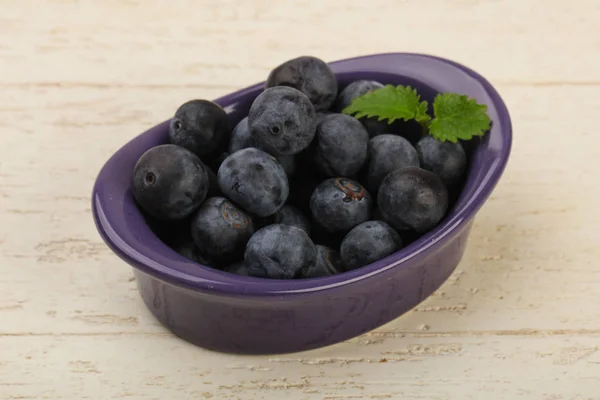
244,315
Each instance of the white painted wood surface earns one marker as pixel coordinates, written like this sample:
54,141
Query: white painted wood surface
519,320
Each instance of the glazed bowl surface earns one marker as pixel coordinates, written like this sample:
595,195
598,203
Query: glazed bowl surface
229,313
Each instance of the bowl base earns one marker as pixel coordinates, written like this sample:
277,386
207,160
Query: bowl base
272,325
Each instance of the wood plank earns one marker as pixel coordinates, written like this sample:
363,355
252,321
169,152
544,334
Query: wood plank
229,43
159,367
79,78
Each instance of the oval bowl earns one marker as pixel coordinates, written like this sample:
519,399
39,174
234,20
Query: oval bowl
237,314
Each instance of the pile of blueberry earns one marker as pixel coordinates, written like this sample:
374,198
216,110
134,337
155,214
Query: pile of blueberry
296,189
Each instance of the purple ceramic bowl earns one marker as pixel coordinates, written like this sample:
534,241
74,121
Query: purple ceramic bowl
237,314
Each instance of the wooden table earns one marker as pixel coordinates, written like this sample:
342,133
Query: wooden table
520,319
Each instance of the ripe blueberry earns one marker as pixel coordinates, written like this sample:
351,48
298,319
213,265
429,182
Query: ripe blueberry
446,159
282,120
367,243
200,126
255,181
328,263
241,138
353,90
340,146
387,153
311,76
375,127
339,204
221,230
412,198
279,252
287,215
169,182
290,215
356,89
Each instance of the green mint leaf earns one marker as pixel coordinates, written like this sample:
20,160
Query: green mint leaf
389,102
458,117
421,115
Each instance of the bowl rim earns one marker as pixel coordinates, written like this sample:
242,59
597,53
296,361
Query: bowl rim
205,279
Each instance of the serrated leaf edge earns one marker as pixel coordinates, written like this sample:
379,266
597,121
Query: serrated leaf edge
349,110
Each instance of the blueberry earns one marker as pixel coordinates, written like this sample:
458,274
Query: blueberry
412,198
353,90
255,181
237,268
367,243
200,126
339,204
340,146
169,182
328,263
287,215
282,121
310,75
241,138
356,89
446,159
387,153
279,252
290,215
375,127
221,230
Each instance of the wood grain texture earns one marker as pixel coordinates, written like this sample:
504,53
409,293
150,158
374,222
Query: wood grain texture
518,320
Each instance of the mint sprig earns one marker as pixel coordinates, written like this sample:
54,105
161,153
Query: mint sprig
455,116
391,103
458,117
